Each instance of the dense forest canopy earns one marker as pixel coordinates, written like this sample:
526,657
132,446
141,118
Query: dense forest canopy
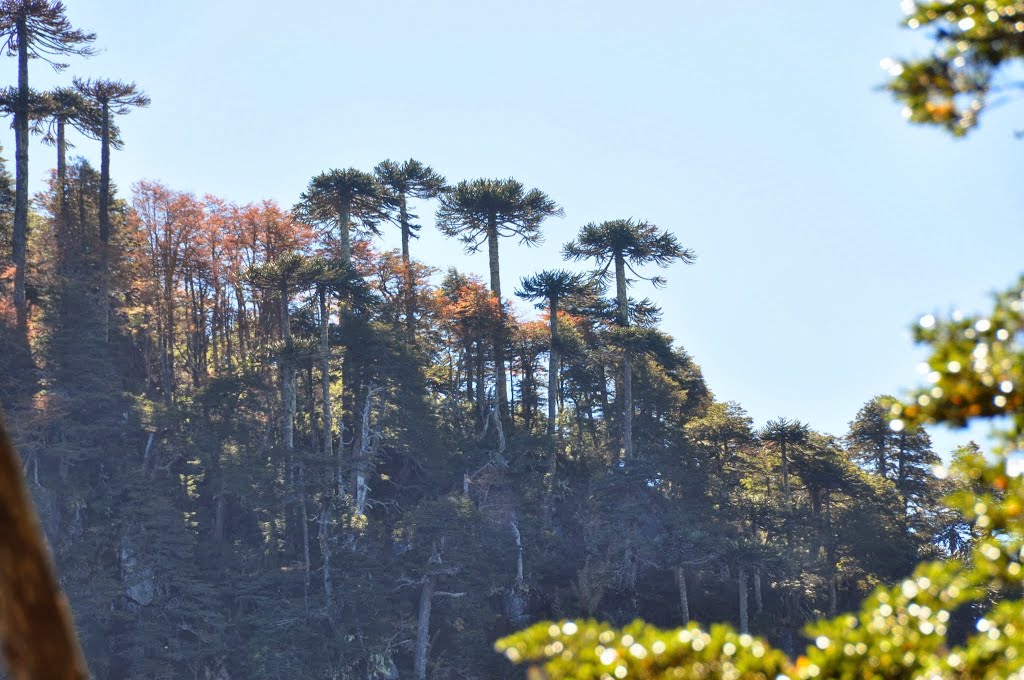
264,445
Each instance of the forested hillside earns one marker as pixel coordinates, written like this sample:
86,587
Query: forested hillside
264,446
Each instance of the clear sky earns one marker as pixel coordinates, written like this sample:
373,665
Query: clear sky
824,224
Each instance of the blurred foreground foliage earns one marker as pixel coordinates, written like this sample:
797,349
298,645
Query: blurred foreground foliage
976,43
901,631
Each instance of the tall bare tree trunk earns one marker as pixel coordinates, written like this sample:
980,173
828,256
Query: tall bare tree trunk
104,218
742,578
325,376
499,338
553,389
304,518
785,470
323,537
423,627
519,553
62,176
344,217
287,376
758,602
410,278
19,239
684,600
622,301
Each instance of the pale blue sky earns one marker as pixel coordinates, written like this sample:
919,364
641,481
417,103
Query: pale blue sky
824,224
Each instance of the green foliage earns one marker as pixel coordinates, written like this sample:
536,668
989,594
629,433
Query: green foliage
589,650
472,207
636,242
975,368
974,42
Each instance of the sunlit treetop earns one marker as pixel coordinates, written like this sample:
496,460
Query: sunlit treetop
474,206
48,32
342,194
68,105
114,98
974,43
638,242
40,106
411,178
556,285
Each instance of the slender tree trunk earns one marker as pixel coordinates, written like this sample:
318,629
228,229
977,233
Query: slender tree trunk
742,578
785,470
364,452
519,554
105,173
481,395
684,600
830,551
62,177
410,278
423,627
499,338
553,386
104,218
19,239
287,376
325,375
323,538
243,324
167,360
758,601
627,358
344,217
304,520
220,515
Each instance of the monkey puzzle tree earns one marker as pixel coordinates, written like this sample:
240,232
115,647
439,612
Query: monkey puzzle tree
67,106
338,196
618,246
552,286
484,211
32,29
328,276
113,98
402,181
784,433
